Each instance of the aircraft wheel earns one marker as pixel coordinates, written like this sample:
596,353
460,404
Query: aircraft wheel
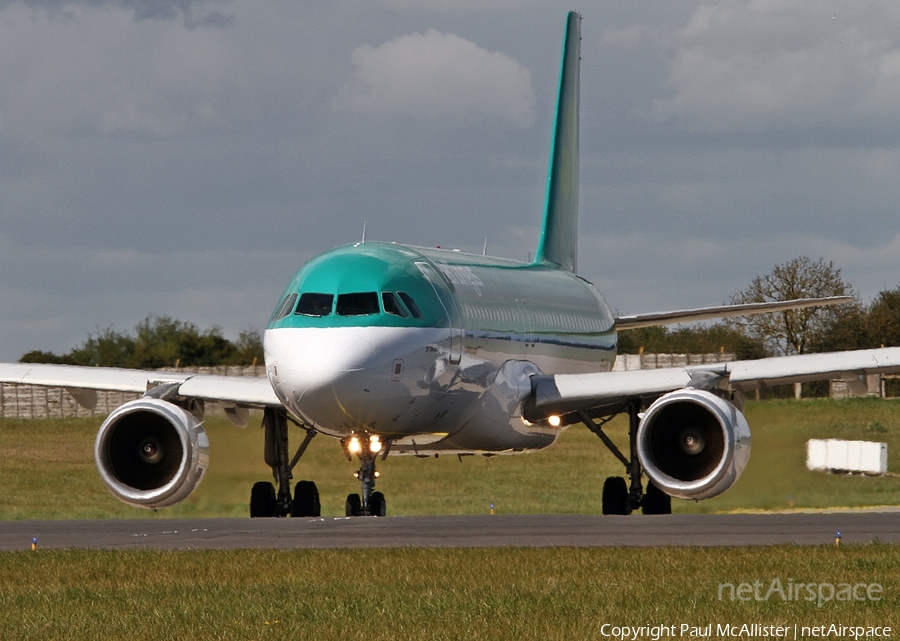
353,506
615,496
656,501
262,500
306,500
377,505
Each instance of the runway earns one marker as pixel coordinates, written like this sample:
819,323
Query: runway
544,530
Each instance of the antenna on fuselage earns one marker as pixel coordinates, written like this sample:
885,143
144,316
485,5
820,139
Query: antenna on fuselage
364,233
484,251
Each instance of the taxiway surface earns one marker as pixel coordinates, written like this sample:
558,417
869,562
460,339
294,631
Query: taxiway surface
543,530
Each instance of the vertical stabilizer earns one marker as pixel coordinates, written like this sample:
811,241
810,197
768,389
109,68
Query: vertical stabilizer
559,235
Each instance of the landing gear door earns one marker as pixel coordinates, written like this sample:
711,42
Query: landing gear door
451,309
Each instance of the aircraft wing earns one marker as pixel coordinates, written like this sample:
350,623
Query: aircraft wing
247,391
634,321
569,392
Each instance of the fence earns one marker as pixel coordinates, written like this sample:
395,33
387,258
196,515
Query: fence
883,385
629,362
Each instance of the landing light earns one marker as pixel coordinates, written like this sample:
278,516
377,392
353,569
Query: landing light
354,446
554,420
374,444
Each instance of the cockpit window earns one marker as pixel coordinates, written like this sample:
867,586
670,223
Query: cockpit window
285,308
358,304
392,305
315,304
410,304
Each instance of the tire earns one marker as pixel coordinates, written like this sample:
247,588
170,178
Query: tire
656,501
377,505
306,500
262,500
353,506
615,496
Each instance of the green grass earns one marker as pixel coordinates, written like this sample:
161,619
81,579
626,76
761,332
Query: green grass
47,470
556,593
776,477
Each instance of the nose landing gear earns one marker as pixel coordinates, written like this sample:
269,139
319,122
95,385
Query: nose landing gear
370,502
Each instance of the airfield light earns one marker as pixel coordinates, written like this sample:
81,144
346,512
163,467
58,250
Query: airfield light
374,444
354,446
554,420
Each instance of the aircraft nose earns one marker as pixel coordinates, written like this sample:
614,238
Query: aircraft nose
318,359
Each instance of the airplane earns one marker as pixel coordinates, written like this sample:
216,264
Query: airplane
403,350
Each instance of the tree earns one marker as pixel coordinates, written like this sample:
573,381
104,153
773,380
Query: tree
158,341
863,327
162,341
792,331
884,319
106,348
38,356
690,340
249,347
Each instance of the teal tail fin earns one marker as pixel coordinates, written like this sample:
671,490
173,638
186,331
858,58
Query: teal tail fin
559,235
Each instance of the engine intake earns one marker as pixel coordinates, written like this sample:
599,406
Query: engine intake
151,453
693,444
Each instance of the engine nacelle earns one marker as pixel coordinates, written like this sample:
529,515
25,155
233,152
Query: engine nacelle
151,453
693,444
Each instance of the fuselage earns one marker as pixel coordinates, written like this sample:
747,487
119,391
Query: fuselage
409,344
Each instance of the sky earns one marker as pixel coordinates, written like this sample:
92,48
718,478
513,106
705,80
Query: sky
185,157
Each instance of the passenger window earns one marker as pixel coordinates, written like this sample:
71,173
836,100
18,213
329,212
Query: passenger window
315,304
357,304
410,304
285,308
392,305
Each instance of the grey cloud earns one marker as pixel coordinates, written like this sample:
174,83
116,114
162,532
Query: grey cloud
439,76
145,168
191,11
752,66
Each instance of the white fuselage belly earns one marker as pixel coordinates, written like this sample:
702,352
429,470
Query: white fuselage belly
398,382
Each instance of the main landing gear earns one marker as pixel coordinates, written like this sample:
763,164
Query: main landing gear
369,503
620,497
264,500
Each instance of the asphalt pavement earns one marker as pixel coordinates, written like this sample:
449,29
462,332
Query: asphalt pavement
540,530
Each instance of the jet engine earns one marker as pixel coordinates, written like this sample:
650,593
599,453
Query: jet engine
151,453
693,444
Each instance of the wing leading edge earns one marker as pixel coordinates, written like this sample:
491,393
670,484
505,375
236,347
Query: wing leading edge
635,321
571,392
241,390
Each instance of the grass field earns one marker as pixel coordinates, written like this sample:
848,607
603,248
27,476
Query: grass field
47,470
562,593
